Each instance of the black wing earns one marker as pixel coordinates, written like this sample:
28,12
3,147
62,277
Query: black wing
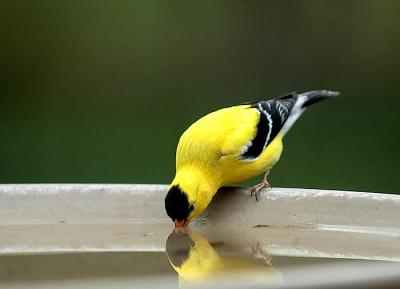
273,114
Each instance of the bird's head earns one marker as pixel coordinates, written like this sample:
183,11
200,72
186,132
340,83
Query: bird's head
188,196
178,207
192,256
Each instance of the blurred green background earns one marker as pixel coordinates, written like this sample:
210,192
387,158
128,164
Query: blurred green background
100,91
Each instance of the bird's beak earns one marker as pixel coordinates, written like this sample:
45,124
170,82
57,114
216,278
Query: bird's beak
180,224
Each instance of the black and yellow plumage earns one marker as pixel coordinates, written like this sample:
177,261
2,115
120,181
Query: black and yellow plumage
231,145
198,264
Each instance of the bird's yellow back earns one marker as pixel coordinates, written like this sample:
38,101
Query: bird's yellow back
215,135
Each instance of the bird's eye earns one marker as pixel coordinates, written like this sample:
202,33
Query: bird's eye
190,208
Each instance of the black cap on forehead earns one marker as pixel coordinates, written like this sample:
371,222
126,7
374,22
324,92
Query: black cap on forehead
177,204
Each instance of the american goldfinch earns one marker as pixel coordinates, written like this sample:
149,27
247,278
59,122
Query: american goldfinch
229,146
198,264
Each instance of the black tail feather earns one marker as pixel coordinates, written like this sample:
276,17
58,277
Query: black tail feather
317,95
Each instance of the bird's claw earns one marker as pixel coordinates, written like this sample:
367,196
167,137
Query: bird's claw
259,253
256,190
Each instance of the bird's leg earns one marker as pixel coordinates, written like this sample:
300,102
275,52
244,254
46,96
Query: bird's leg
256,190
259,253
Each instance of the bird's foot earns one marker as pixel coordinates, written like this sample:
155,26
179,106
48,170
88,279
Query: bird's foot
259,253
256,190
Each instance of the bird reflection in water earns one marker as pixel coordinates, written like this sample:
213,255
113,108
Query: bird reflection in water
198,263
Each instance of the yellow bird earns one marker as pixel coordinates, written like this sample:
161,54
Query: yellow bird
199,265
229,146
